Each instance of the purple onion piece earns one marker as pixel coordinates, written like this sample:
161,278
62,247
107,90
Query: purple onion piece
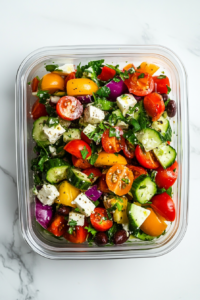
116,89
85,99
43,213
93,193
138,98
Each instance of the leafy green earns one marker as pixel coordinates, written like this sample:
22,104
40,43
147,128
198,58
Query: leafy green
91,230
126,180
93,158
51,68
123,75
84,152
166,102
41,162
111,232
92,70
29,83
141,75
72,223
96,203
91,176
135,124
104,104
168,89
130,136
115,79
161,77
103,92
44,96
77,210
114,132
52,122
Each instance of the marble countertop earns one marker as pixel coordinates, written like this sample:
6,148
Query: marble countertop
27,26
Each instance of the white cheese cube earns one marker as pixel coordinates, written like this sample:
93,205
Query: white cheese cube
79,218
48,194
122,125
84,204
88,129
52,150
65,69
54,99
93,115
124,102
53,133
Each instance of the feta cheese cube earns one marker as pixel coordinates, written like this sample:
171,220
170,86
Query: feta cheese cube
65,69
122,125
79,218
88,129
84,204
93,115
53,133
54,99
124,102
52,150
48,194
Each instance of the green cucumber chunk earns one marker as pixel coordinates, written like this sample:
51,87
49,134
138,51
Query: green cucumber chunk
136,216
78,179
162,125
149,138
143,189
56,170
38,134
71,134
134,112
165,154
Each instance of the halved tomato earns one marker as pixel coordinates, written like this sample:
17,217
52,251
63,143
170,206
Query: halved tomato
38,110
106,74
80,163
154,105
78,235
146,159
164,205
140,84
119,179
99,219
70,76
137,171
102,185
129,149
69,108
165,178
58,225
92,172
160,84
78,148
113,144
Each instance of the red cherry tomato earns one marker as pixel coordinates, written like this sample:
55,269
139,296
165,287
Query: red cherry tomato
99,219
146,159
85,138
166,177
160,84
154,105
38,110
102,185
113,144
58,225
106,74
80,163
128,149
69,108
34,84
76,146
70,76
164,205
137,171
140,84
78,235
92,171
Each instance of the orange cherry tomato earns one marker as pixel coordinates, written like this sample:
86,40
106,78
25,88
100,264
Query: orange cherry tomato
140,84
81,87
137,171
99,219
119,179
164,205
106,74
68,77
102,185
153,225
58,225
80,163
128,67
69,108
161,83
78,235
52,82
34,84
165,178
154,105
76,147
38,110
146,159
113,144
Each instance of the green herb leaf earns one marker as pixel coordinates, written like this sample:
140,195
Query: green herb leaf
72,223
52,122
91,230
115,79
126,180
114,132
123,75
161,77
29,83
91,176
135,124
77,209
84,152
130,136
103,92
51,68
166,102
168,89
96,203
70,230
93,158
141,75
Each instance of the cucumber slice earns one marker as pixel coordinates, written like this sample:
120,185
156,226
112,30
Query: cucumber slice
38,134
71,134
134,112
78,179
149,138
120,123
143,189
56,170
139,234
165,154
136,215
162,125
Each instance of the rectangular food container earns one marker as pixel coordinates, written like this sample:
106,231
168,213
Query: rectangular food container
33,65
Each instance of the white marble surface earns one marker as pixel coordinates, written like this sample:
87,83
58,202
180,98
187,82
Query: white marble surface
28,25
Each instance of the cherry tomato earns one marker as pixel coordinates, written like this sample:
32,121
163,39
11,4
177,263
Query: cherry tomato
34,84
140,84
78,235
76,146
106,74
137,171
38,110
160,84
69,108
113,144
80,163
81,87
166,177
128,149
153,225
52,83
154,105
92,171
85,138
68,77
58,225
102,185
128,67
99,219
164,205
119,179
146,159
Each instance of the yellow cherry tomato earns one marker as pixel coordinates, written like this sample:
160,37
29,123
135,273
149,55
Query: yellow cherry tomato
52,83
67,194
109,159
148,68
153,225
81,87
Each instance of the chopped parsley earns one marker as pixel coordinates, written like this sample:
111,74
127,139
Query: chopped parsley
84,152
103,92
141,75
91,230
29,83
114,132
91,176
168,89
126,180
161,77
51,68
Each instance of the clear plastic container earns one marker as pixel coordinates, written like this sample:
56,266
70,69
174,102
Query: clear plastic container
33,65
